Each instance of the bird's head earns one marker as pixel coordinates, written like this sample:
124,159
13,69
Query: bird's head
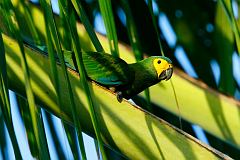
163,67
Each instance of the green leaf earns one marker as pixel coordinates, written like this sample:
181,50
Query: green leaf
56,141
150,7
224,41
34,111
132,31
56,42
25,113
5,107
3,143
55,79
5,104
82,15
124,127
227,6
72,140
30,23
106,11
220,112
26,116
71,22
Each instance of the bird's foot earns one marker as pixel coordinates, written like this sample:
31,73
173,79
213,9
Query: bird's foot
113,89
119,96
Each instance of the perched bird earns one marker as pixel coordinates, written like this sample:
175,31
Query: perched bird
126,80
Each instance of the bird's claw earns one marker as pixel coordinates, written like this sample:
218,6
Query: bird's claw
113,89
119,96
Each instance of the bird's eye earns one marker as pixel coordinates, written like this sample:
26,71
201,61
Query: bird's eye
159,61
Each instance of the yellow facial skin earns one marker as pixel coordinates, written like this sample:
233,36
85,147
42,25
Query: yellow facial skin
161,65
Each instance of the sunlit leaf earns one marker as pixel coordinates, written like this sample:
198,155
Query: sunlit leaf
39,134
224,42
71,23
50,22
4,99
107,15
117,120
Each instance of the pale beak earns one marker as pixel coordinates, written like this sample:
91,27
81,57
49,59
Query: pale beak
166,75
169,73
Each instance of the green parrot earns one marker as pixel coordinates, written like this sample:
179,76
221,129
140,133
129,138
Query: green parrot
126,80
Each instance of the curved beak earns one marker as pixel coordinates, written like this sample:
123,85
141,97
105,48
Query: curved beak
166,75
169,73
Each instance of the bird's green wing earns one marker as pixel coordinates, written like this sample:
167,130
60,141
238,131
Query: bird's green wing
106,69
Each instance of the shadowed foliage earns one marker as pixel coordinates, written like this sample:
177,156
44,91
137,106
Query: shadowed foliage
42,63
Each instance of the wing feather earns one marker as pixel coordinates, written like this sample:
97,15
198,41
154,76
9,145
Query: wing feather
106,69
